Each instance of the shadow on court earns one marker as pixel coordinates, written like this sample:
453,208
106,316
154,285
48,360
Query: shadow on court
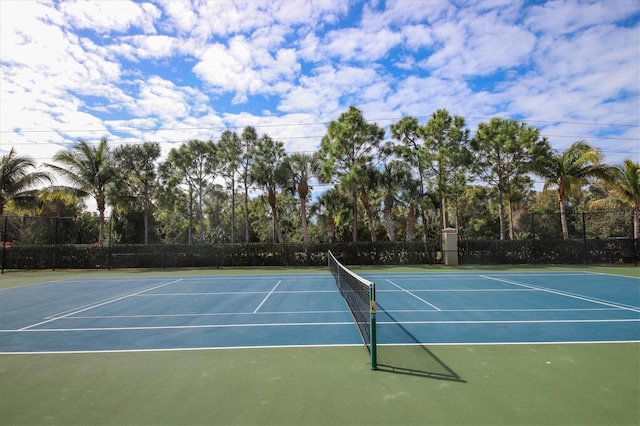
409,357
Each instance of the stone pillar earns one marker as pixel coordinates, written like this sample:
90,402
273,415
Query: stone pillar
450,246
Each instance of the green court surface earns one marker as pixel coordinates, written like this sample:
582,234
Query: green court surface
503,385
522,384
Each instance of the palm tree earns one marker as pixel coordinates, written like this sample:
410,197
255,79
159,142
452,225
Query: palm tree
410,199
569,171
56,201
17,184
367,180
412,151
88,168
625,192
269,172
302,168
333,209
392,179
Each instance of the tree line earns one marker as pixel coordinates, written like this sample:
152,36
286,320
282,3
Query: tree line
405,185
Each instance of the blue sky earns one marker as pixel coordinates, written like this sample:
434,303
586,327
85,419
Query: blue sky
170,71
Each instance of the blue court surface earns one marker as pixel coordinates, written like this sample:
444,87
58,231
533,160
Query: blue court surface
167,313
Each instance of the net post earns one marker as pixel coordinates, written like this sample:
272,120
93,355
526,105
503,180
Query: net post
372,328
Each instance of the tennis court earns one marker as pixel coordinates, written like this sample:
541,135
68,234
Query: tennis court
421,319
116,314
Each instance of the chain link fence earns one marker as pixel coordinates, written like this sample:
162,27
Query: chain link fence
594,237
73,243
584,225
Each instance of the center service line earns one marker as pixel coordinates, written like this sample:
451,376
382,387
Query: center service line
267,296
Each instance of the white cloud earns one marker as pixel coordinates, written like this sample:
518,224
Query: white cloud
228,70
589,77
159,97
329,88
178,15
375,92
565,17
478,45
354,44
147,47
308,48
417,36
403,12
422,96
213,19
46,67
26,39
166,71
309,13
105,16
246,68
299,132
571,58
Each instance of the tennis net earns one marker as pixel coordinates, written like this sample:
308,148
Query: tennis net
360,295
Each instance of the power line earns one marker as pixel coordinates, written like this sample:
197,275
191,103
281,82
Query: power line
591,137
259,126
173,142
319,137
311,152
568,122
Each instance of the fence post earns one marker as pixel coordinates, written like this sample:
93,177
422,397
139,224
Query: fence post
55,242
4,243
634,240
110,242
584,238
533,239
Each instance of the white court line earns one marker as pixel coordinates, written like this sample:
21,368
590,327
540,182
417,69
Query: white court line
505,310
211,314
453,290
615,275
35,284
560,321
306,324
474,276
340,345
267,296
179,327
566,294
417,297
235,293
226,314
75,309
208,293
187,349
86,308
